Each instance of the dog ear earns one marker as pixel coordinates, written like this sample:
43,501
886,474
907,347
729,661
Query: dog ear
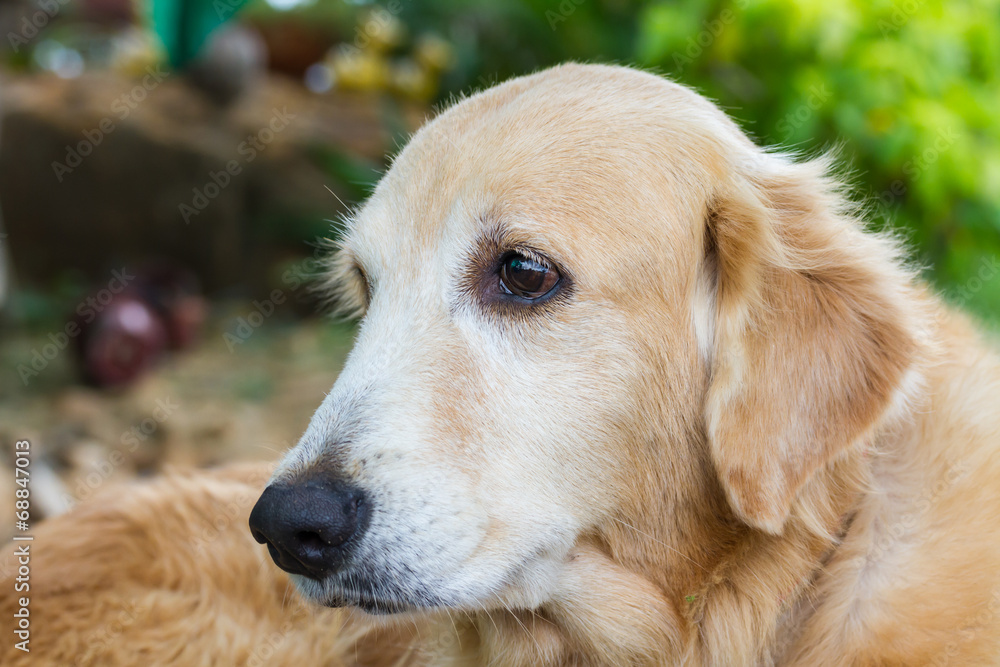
816,327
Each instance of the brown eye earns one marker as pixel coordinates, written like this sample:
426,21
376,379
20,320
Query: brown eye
527,278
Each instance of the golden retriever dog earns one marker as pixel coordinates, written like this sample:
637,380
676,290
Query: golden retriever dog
628,389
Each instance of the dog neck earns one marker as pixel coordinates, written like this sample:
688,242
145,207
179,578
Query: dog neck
675,577
705,590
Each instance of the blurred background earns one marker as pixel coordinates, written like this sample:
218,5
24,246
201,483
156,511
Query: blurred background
169,170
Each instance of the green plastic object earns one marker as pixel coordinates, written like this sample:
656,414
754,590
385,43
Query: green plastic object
183,26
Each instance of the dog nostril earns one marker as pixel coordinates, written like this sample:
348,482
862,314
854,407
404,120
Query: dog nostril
258,536
308,526
311,541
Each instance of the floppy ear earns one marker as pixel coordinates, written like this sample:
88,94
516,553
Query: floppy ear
816,327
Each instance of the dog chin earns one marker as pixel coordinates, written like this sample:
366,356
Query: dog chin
362,595
526,585
369,606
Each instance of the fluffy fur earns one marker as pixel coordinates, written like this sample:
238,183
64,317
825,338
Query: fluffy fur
741,434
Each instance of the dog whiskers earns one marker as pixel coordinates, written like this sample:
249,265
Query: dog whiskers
346,207
523,626
271,449
489,616
647,536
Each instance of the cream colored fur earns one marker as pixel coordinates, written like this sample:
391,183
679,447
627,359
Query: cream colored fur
744,434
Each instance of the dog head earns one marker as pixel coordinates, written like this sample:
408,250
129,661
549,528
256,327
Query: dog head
585,296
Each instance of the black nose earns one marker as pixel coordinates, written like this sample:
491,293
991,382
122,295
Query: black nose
308,526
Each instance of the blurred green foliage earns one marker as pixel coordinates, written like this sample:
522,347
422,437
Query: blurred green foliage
907,92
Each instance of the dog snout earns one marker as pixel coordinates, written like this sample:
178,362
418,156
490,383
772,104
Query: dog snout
308,527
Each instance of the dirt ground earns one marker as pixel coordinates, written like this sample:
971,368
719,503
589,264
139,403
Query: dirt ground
201,407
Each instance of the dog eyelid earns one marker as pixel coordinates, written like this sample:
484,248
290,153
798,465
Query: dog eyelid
530,253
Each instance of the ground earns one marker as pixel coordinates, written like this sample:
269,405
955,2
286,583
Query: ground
209,405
